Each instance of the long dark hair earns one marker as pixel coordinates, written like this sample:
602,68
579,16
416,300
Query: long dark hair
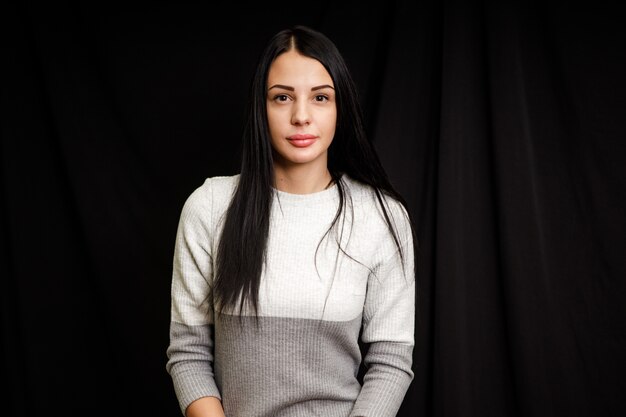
242,246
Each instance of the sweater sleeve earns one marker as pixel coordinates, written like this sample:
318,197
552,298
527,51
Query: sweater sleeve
388,330
190,351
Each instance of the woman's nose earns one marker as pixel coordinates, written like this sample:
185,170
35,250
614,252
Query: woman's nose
301,114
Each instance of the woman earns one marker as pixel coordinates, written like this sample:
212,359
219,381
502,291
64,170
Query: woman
279,270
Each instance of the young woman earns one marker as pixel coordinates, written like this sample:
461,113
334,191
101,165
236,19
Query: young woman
280,269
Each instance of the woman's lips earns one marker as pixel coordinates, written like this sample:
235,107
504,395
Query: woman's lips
301,140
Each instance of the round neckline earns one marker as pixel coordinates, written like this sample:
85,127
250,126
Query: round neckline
325,195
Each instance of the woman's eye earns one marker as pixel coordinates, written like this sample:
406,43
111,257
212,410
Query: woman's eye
281,98
321,98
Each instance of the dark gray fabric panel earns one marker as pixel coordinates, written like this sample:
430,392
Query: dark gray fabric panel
291,366
190,359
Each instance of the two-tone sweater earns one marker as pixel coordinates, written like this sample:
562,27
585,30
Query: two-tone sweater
319,292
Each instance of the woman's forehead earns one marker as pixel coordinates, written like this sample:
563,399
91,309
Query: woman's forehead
298,71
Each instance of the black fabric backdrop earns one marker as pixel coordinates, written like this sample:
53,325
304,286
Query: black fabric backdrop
504,127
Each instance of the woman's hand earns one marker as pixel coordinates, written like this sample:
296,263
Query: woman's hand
205,407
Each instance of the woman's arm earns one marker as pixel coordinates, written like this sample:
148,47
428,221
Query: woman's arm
205,407
190,352
388,328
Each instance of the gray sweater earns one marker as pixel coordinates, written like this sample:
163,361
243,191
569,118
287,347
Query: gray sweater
303,357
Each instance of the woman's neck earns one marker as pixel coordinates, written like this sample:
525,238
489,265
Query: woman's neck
301,179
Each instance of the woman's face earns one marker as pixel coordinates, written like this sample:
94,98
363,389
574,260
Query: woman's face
301,110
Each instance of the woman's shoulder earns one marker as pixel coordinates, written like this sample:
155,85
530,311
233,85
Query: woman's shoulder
212,196
216,186
365,195
367,208
221,186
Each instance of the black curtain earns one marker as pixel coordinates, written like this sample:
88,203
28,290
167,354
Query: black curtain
503,126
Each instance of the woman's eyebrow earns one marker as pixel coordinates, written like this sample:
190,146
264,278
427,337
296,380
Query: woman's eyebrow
319,87
286,87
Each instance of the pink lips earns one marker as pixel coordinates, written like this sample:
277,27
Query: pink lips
301,140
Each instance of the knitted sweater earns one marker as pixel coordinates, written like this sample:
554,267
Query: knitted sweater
302,357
